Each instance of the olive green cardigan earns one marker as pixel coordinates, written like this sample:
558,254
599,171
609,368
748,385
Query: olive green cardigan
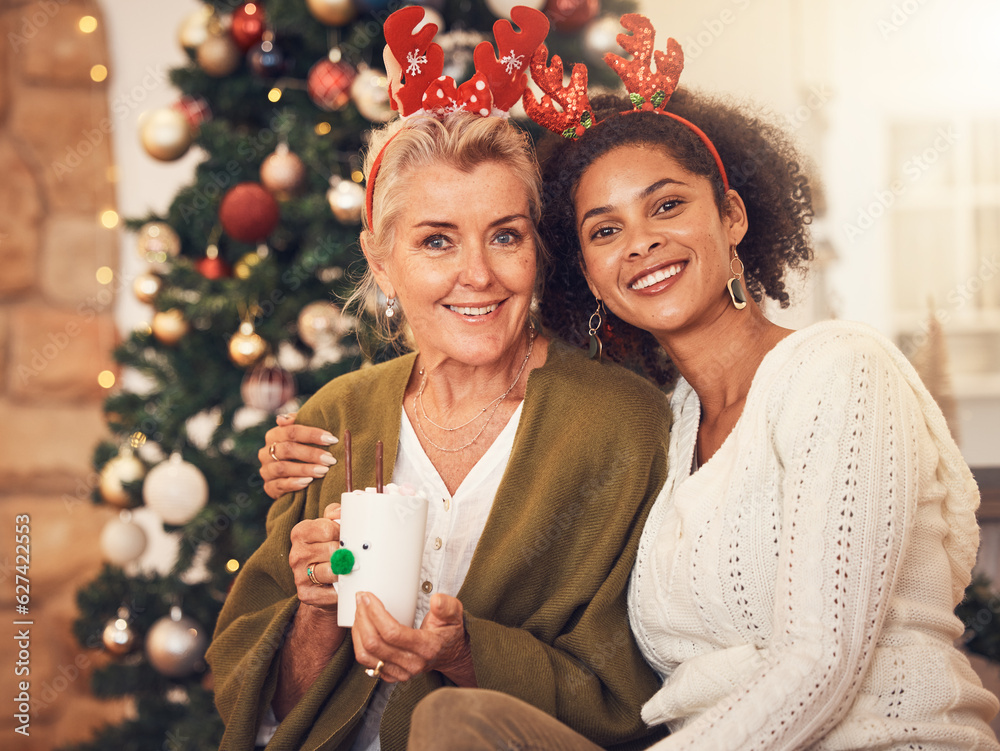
545,594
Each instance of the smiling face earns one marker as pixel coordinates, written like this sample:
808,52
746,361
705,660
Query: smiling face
463,264
655,247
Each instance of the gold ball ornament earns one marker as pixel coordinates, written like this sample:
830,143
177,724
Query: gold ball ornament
118,637
283,173
176,644
170,326
124,468
157,243
146,287
165,134
347,201
193,30
370,94
219,55
322,324
333,12
246,346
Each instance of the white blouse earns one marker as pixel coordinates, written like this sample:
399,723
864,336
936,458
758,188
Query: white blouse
454,525
798,589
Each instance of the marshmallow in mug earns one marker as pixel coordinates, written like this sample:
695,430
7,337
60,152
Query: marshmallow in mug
382,545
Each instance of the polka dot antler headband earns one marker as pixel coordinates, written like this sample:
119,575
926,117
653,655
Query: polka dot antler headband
414,64
648,90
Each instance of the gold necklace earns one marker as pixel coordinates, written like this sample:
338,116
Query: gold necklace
418,400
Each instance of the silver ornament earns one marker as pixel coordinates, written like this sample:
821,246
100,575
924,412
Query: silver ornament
176,490
122,540
176,644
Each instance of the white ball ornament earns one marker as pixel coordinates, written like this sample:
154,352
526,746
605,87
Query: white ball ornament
502,8
123,468
176,490
370,94
176,644
600,36
347,200
122,540
165,134
194,29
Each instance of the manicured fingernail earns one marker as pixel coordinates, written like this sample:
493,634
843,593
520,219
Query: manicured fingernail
302,481
320,471
328,438
363,598
328,460
284,416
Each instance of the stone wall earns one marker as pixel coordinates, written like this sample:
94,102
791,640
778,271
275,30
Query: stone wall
56,334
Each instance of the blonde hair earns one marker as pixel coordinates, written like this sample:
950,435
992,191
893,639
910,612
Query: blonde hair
461,141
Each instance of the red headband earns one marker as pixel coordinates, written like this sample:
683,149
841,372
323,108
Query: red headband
649,91
496,86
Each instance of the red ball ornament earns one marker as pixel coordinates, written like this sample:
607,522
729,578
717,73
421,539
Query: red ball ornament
213,268
248,212
268,386
330,84
194,109
249,22
570,15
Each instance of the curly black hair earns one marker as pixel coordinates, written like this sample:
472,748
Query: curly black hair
761,164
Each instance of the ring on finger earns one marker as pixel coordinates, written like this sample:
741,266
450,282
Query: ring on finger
271,452
311,573
376,671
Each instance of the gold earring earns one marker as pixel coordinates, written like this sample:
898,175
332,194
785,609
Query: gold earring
735,285
596,348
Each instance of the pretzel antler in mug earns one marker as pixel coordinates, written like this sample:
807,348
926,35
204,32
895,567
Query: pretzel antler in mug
507,75
413,53
575,115
643,85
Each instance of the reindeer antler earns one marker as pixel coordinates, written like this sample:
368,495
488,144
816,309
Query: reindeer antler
507,75
576,114
644,86
415,53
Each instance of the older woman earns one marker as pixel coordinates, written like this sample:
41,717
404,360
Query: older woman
541,465
797,577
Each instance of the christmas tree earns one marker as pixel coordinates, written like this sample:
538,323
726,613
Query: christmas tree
245,271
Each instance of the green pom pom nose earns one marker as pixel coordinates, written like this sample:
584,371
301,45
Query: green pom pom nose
342,561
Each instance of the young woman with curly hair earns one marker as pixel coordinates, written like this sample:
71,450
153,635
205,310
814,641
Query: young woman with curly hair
796,579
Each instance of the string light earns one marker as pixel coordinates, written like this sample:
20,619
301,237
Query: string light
98,73
88,24
322,128
106,379
105,275
109,219
232,565
274,94
357,176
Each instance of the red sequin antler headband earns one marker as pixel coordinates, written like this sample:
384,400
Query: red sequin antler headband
648,90
414,64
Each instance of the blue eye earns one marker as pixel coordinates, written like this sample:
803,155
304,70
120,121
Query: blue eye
507,237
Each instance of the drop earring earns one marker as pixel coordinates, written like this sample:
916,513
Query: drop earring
735,284
596,348
389,312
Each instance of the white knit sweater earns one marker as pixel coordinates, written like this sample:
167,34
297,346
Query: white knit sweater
798,590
